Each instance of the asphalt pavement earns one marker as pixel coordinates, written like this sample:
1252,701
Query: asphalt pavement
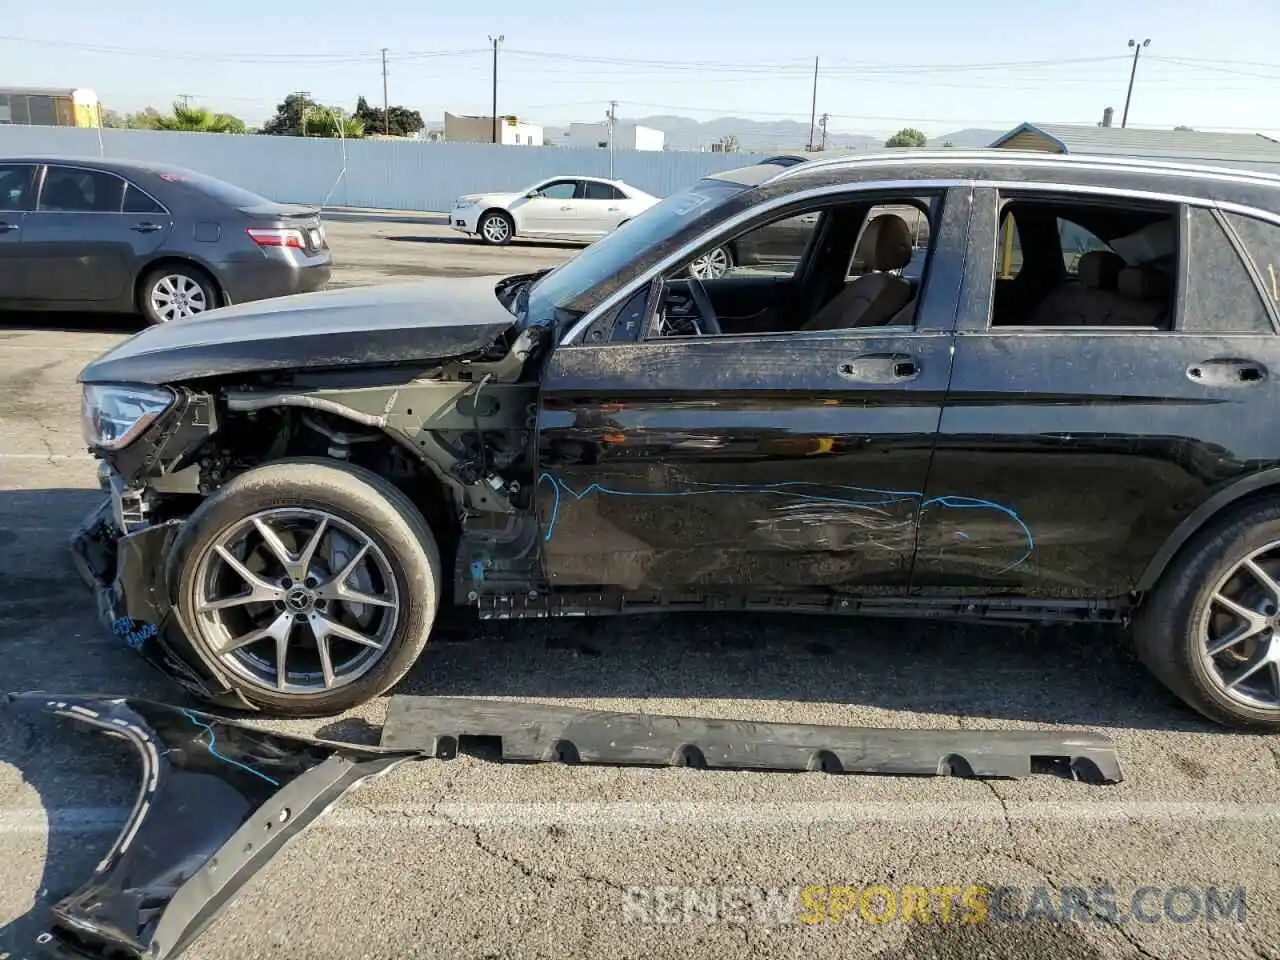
476,859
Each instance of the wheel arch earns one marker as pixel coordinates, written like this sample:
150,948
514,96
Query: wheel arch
511,218
1256,486
182,260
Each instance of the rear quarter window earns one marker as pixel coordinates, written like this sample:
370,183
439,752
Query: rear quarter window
1220,296
1261,240
220,190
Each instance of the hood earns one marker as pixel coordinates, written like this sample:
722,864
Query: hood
492,199
432,319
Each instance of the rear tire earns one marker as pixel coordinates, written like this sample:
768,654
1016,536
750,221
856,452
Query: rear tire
357,503
175,291
1179,621
496,228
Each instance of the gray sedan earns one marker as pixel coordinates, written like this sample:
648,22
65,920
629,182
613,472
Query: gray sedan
118,235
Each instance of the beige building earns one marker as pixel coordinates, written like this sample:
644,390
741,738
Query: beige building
459,128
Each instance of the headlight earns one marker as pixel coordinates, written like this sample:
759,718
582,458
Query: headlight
114,415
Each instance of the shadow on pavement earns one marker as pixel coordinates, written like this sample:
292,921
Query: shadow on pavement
357,215
1070,675
68,321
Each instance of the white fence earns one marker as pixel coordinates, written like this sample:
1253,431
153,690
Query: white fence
389,174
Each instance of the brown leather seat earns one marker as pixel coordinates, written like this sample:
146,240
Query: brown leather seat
874,298
1087,303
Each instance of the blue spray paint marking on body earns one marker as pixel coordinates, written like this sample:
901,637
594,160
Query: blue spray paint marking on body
788,489
133,638
213,750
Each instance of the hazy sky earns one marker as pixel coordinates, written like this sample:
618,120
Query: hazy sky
938,66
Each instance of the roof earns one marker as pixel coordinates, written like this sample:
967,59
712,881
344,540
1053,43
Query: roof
1192,146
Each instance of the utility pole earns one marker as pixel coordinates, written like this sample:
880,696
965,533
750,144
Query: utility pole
495,41
824,130
813,109
1137,49
386,109
613,113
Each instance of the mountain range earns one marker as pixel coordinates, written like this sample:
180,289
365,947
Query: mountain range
766,136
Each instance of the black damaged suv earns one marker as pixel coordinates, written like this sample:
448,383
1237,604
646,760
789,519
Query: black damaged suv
1014,429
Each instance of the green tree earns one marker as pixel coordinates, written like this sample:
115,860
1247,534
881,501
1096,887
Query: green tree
200,120
403,121
907,137
143,120
298,115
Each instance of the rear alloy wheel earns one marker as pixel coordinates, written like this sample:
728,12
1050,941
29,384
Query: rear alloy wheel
496,228
175,293
311,585
712,265
1211,629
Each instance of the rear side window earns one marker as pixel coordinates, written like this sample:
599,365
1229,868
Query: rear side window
15,186
136,201
601,191
1221,298
1262,243
75,190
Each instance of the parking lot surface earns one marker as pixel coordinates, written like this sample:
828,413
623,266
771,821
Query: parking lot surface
469,858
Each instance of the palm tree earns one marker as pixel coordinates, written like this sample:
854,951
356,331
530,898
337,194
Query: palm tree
326,122
200,120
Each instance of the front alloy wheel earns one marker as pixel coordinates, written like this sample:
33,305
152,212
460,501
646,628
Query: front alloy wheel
296,600
496,228
309,586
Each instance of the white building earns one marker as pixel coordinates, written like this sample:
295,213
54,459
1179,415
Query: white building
626,136
511,132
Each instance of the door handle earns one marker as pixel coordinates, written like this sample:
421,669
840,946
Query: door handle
880,368
614,209
6,227
1227,372
566,208
146,227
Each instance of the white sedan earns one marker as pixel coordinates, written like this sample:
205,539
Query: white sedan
562,208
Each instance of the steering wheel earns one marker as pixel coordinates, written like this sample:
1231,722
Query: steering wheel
709,323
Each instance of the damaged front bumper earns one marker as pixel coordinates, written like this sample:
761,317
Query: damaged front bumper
129,577
218,800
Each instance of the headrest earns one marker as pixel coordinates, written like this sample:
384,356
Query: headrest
1100,269
1143,283
886,244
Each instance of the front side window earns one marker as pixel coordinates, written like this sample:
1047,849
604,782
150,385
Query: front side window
73,190
559,190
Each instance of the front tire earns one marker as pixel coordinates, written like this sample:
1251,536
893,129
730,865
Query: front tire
312,585
496,228
175,292
1210,631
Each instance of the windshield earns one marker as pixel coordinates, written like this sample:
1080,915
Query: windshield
583,282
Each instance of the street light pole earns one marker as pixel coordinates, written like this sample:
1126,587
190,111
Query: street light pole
1133,71
613,111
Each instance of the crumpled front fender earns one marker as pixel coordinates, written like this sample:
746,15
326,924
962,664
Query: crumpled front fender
218,800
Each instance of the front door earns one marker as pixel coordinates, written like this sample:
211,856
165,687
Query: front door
1095,398
79,243
791,461
552,211
16,196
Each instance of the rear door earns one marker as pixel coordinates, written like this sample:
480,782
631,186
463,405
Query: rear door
1079,435
17,195
81,244
600,208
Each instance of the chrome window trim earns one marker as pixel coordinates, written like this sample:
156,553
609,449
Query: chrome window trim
858,186
44,173
800,196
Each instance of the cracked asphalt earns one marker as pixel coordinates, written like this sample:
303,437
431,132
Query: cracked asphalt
474,859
